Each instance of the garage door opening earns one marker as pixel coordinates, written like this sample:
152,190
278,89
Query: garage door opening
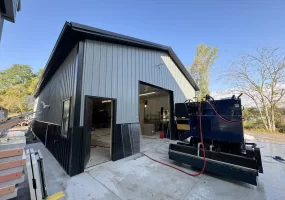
99,119
155,114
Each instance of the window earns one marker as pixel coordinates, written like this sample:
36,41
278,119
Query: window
65,117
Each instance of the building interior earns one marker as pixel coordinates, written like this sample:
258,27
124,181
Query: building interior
154,116
100,145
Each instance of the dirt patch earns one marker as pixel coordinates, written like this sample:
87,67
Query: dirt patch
268,137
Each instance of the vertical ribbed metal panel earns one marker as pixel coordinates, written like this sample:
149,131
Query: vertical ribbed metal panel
113,70
59,88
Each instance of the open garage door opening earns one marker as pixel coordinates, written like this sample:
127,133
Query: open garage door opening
155,115
98,119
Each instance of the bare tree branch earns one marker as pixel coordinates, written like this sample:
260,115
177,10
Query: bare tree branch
260,76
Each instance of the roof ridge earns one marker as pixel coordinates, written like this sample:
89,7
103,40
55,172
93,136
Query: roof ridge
73,32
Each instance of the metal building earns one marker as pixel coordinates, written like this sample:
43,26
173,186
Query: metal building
96,74
8,11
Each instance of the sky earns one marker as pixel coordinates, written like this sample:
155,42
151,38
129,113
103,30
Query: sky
233,26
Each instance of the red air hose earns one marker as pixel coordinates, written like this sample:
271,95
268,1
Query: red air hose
229,121
201,138
203,150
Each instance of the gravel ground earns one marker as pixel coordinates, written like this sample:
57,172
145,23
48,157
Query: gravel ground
268,137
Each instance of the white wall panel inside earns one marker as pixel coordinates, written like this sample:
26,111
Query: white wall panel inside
154,105
60,87
114,71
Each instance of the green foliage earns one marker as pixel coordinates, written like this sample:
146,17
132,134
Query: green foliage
253,125
254,122
17,85
250,113
39,73
200,69
280,125
17,74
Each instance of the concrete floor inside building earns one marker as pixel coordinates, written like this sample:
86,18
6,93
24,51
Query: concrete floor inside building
101,143
100,150
153,115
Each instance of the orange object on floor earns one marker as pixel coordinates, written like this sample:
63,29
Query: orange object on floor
161,134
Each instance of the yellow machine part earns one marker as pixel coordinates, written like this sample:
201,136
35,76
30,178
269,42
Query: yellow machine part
184,127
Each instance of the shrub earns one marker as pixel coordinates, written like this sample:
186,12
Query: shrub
280,125
253,125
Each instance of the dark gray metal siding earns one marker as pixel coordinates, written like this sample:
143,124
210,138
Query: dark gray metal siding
47,126
59,146
60,87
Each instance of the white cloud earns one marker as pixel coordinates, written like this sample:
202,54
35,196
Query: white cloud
245,100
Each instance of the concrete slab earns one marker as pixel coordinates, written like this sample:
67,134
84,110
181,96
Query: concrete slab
150,142
143,178
98,155
83,186
132,182
56,177
137,177
101,140
270,185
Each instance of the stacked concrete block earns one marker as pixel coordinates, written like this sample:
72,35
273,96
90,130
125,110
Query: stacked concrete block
12,163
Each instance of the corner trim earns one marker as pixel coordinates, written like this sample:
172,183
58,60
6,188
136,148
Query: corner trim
76,132
78,90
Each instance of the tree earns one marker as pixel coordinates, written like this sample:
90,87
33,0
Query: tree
250,113
200,69
17,74
260,76
33,82
17,85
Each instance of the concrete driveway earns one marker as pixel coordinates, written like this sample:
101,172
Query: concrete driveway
138,177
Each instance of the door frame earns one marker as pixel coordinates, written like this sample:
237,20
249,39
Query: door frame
172,126
113,127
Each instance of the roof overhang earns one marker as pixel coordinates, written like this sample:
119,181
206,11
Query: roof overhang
74,32
9,8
